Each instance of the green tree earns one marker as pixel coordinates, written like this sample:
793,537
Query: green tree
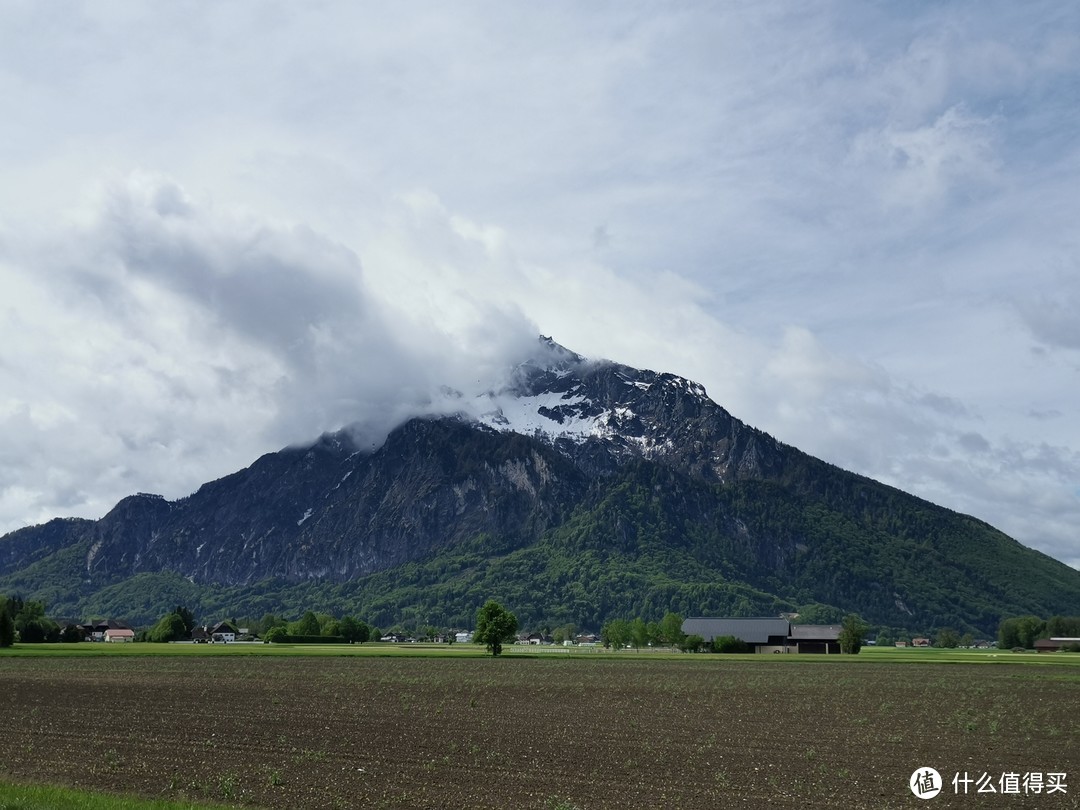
494,625
885,638
354,630
1063,627
276,635
852,632
692,643
71,634
1020,631
816,613
267,623
33,626
615,633
170,627
730,644
187,617
947,638
639,633
308,625
671,629
563,633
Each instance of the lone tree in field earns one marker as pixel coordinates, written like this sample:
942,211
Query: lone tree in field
852,633
494,625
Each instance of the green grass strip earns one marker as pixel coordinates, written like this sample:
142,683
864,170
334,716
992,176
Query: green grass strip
42,797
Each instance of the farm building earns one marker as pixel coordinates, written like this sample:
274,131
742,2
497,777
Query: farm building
1055,644
815,638
767,635
121,635
764,635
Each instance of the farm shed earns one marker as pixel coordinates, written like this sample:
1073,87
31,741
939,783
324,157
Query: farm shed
815,638
1055,644
764,635
119,635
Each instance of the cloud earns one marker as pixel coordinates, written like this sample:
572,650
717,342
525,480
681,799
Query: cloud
853,223
171,341
923,166
1054,320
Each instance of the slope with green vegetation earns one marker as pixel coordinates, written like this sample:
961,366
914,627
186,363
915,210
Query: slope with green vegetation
666,503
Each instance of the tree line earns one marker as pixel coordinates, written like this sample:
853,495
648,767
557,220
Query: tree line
638,633
179,624
1024,631
27,619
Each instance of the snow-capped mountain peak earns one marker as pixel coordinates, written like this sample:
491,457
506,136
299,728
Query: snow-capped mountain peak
570,401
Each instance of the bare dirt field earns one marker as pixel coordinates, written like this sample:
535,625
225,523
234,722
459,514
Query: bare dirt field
700,732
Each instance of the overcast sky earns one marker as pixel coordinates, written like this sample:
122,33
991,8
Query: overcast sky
228,227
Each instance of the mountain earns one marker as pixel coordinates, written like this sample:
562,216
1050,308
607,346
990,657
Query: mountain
575,492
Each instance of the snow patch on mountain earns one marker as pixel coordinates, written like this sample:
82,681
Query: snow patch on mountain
550,413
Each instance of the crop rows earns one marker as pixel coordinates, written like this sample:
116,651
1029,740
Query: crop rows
703,732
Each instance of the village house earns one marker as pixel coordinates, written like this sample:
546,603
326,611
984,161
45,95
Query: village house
96,630
120,634
223,633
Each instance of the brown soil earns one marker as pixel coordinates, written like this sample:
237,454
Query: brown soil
705,732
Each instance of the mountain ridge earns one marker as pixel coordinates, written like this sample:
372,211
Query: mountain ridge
577,489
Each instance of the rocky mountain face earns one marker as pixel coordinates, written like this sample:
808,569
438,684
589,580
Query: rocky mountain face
634,471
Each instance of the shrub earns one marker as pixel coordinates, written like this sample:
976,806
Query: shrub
730,644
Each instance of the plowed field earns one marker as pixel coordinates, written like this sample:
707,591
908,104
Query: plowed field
704,732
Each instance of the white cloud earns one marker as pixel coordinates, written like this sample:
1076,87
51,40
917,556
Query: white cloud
853,223
921,166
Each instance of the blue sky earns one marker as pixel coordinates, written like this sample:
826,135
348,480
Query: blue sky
228,227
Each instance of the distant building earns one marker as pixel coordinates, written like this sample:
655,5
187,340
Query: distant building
1055,644
815,638
768,635
95,631
223,632
763,635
